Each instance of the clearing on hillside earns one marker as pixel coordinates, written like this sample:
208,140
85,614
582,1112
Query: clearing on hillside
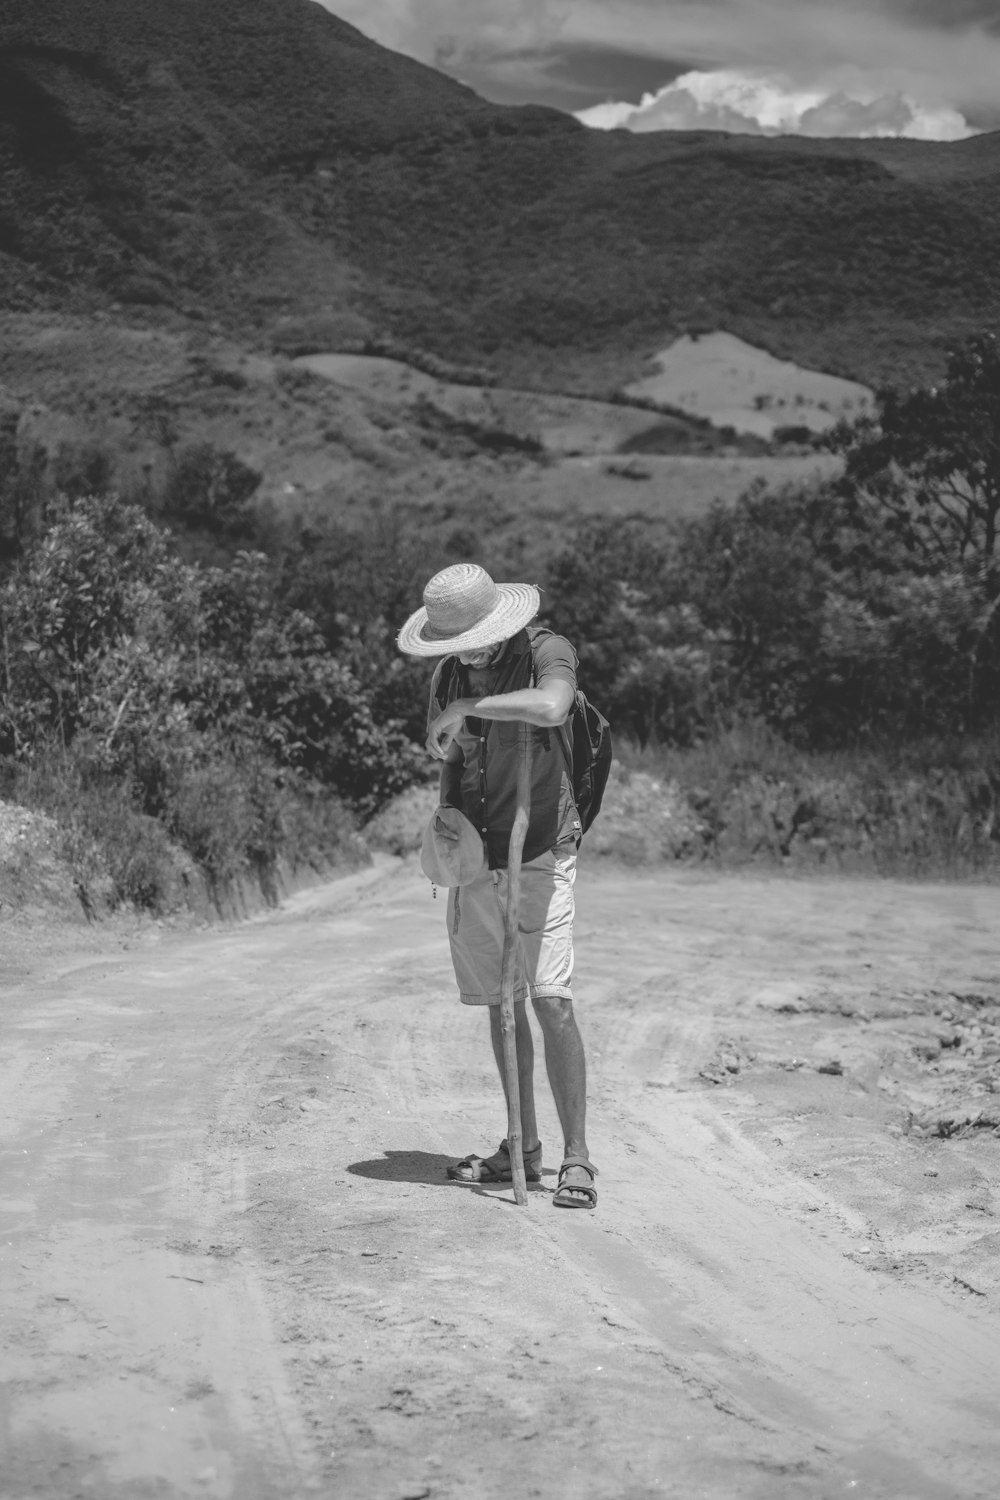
734,384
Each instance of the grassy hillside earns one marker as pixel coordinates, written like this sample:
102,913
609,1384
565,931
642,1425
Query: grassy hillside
259,161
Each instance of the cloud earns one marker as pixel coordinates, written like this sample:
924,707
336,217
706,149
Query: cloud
759,104
939,54
453,32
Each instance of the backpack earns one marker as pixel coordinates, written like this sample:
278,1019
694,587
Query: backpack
586,738
592,751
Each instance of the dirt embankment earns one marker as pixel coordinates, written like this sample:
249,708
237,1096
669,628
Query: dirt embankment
231,1264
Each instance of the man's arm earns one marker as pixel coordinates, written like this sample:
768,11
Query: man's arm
548,705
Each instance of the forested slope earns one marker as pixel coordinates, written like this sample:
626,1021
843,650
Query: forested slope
257,160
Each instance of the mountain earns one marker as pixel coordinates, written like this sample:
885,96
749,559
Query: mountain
261,164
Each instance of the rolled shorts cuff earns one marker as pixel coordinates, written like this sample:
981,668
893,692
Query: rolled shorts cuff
536,991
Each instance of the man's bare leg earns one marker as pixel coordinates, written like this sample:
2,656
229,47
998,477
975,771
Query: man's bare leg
566,1066
525,1069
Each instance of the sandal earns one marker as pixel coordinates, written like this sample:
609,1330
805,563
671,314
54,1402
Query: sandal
497,1168
562,1198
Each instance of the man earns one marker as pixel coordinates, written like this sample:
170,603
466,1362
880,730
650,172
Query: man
497,681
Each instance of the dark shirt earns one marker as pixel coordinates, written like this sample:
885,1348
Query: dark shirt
491,748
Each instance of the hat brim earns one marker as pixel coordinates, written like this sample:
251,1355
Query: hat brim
516,605
452,852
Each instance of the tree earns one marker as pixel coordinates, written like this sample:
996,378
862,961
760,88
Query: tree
645,654
211,488
926,463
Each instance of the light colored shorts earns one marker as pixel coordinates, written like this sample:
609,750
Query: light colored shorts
476,914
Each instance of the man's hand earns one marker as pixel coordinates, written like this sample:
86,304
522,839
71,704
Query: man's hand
444,729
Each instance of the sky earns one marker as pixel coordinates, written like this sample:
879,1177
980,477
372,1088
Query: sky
929,69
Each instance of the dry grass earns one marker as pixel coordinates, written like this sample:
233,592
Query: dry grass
927,811
656,488
731,382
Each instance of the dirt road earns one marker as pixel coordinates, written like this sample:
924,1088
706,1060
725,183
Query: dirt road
231,1266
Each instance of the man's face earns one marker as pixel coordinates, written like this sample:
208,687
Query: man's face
484,657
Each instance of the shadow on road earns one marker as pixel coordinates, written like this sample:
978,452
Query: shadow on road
406,1166
428,1166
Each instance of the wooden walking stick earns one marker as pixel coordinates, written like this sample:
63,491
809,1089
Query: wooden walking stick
508,972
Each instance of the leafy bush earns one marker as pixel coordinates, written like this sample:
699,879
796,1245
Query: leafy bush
644,657
825,647
191,694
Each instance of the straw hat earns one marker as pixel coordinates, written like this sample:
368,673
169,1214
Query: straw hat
452,851
464,610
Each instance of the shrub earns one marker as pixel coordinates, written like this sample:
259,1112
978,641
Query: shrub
745,796
209,488
208,704
116,854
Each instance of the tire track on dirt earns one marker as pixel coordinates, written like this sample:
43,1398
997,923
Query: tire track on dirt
138,1346
889,1374
256,1211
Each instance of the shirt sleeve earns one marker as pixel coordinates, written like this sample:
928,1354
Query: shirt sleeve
555,657
435,697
